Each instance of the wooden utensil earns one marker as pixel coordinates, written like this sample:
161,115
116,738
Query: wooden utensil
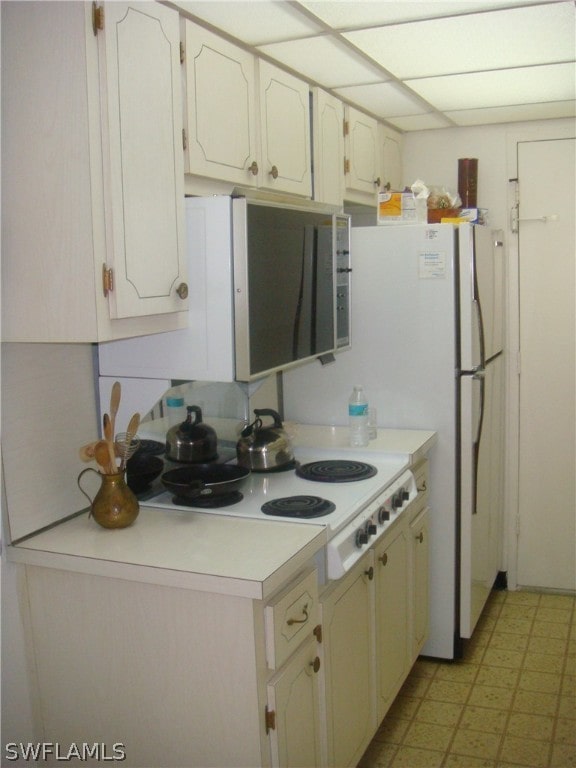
109,437
114,404
102,455
131,430
86,453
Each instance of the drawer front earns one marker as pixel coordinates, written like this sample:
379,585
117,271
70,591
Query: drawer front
290,619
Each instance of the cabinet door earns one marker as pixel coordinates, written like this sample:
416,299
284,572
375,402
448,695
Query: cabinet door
139,49
285,127
293,694
420,601
390,144
362,155
392,616
220,108
348,625
328,138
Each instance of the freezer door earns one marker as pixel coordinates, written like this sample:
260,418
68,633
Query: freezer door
481,490
481,283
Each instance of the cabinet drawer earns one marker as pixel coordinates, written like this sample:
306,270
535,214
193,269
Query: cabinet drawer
290,619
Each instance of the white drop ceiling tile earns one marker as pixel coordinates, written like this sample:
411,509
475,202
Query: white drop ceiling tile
323,60
498,39
253,21
383,99
354,14
424,122
519,113
554,82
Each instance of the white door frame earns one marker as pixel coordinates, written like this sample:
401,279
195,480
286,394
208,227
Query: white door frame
541,132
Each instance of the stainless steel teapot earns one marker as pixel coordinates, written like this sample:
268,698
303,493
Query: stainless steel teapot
191,441
263,449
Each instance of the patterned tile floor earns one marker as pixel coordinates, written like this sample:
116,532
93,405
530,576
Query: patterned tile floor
509,703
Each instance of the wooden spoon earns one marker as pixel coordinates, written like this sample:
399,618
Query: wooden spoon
109,437
131,430
86,453
102,456
114,404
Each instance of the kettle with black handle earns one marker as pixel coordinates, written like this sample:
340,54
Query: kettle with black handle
264,448
192,440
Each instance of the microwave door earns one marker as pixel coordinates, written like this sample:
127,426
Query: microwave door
303,342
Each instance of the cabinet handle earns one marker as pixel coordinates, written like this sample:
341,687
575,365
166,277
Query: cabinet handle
274,172
422,488
254,168
383,558
420,537
182,290
315,665
369,573
299,621
377,182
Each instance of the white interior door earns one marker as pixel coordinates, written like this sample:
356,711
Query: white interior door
546,531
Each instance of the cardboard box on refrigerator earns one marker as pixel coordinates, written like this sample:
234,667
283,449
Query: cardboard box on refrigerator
396,208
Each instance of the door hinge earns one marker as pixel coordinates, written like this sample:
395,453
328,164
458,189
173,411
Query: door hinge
184,139
317,632
517,526
346,165
107,279
346,127
97,18
182,53
270,719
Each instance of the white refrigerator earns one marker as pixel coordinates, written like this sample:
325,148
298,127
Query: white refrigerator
427,345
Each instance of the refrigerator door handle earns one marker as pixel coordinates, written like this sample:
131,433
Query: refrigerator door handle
480,325
480,377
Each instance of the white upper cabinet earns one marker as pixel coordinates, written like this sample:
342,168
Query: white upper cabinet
390,146
140,44
93,209
247,122
362,157
328,144
285,124
220,108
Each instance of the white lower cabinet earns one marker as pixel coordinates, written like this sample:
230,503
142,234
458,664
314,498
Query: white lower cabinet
392,615
293,697
348,671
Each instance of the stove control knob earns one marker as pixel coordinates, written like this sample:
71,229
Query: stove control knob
372,530
405,494
383,514
397,500
361,538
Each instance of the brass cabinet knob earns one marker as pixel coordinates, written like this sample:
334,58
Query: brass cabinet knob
315,665
369,573
383,558
254,168
274,172
420,537
182,290
377,182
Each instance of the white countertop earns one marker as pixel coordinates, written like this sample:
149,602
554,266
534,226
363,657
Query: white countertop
194,550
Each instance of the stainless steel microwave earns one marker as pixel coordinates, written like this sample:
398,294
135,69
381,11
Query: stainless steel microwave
269,287
291,284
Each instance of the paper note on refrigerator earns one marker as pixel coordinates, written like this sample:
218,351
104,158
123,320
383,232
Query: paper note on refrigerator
432,264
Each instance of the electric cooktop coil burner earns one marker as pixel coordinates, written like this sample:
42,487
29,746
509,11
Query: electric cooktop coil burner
209,502
336,471
298,506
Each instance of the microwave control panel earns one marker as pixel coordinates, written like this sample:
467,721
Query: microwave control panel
343,270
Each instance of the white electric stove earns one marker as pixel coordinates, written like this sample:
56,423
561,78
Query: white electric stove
355,512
